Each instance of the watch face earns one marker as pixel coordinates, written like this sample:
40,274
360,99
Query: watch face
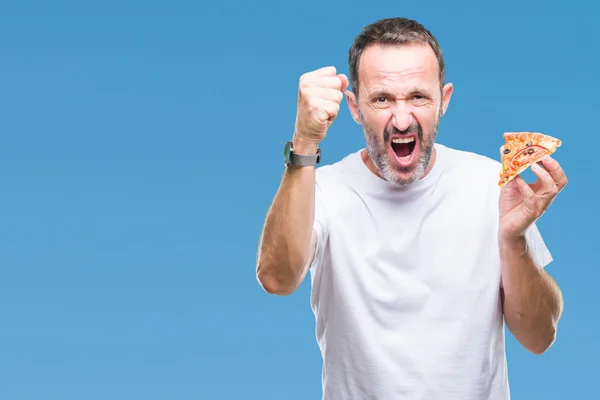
287,151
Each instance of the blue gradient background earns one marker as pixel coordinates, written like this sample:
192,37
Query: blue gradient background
141,145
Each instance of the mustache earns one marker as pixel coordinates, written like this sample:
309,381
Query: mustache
414,128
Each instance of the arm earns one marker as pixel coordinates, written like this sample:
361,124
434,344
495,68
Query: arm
532,301
288,241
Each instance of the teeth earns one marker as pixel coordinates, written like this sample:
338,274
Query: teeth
404,158
403,140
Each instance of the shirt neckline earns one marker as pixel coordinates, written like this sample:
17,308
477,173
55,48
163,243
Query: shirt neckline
368,180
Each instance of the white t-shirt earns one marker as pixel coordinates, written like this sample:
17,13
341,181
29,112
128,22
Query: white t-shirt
405,282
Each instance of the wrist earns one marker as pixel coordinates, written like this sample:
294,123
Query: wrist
305,147
512,244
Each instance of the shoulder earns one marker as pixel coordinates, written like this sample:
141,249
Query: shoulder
338,171
470,166
470,180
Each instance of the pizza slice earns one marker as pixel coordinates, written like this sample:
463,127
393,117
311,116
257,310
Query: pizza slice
523,149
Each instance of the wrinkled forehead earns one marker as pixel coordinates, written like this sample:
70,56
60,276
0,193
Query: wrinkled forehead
398,68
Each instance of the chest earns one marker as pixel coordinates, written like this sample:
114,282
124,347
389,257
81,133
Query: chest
435,253
430,230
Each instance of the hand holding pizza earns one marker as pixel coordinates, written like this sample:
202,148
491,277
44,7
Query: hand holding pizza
521,204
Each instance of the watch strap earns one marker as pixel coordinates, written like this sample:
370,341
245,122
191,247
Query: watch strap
303,160
300,160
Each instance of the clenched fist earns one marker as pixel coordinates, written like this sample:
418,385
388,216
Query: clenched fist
320,94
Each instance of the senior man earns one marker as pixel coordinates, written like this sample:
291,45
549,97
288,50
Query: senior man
417,257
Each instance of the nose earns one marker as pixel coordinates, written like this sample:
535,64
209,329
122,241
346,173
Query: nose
402,118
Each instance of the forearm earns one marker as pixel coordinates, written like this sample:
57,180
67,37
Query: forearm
532,301
284,248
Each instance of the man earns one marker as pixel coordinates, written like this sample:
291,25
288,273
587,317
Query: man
417,257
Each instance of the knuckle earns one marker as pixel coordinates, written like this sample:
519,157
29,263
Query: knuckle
338,83
334,105
305,78
331,70
303,84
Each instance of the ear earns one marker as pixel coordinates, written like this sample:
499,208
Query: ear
352,106
446,95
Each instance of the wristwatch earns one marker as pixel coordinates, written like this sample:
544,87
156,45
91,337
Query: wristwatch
299,160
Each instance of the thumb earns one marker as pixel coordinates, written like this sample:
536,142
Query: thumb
322,116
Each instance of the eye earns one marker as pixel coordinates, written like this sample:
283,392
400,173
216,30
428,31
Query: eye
419,99
381,101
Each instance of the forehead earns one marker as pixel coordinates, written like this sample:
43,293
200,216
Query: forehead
398,67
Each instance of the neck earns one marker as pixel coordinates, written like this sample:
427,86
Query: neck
371,165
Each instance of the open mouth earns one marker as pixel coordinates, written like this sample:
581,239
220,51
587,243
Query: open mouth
403,147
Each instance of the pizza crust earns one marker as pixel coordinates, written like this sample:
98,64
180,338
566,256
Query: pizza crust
523,149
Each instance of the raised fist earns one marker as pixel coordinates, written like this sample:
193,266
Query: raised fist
320,94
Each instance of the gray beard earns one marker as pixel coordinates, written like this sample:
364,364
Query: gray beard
378,151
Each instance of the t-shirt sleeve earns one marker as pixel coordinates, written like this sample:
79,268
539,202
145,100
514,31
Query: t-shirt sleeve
320,224
538,249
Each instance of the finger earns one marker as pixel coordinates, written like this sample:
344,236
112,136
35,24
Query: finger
322,115
332,108
556,172
316,74
333,82
325,71
323,82
329,94
525,189
545,186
